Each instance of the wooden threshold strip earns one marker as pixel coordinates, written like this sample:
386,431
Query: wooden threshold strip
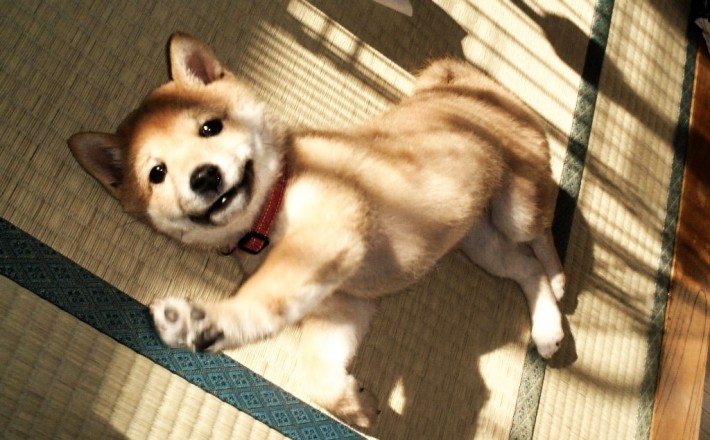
679,395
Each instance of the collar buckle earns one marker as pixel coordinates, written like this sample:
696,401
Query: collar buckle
253,242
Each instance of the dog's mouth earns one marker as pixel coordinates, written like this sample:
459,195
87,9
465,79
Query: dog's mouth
242,190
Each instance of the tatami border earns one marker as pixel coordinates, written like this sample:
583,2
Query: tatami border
53,277
570,182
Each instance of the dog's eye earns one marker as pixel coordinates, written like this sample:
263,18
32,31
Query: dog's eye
211,128
157,173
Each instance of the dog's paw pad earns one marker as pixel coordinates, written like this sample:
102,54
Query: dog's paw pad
171,315
171,318
181,323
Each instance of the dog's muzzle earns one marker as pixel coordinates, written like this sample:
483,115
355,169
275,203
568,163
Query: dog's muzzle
206,181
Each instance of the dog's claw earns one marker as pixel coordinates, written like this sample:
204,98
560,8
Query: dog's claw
206,339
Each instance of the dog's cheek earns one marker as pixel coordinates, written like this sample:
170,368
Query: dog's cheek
134,199
162,206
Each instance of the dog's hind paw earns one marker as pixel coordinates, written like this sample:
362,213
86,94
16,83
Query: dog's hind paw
181,323
358,407
557,283
547,331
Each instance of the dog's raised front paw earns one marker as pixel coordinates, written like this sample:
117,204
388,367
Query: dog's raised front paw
181,323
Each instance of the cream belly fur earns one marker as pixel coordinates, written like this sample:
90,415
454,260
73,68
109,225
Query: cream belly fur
366,211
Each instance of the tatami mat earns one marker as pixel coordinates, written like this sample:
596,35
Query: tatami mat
64,380
448,358
624,203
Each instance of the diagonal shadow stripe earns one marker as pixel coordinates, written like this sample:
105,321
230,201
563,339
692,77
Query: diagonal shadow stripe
55,278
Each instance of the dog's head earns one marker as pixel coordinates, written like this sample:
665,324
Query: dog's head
197,158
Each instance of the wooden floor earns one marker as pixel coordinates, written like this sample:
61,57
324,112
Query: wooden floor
682,398
705,416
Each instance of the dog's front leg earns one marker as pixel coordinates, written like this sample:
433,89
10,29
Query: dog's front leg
295,277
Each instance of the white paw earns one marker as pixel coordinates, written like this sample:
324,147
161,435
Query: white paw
558,286
358,407
547,332
181,323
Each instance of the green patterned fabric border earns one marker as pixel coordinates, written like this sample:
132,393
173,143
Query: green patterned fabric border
570,183
55,278
663,276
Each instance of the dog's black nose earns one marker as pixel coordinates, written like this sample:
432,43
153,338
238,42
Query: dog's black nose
206,179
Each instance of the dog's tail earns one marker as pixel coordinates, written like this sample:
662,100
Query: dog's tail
447,72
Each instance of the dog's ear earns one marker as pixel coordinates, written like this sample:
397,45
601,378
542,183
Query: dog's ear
192,62
102,156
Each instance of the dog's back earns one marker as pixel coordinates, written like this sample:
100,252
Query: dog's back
432,166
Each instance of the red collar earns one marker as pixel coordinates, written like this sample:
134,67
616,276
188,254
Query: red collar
257,239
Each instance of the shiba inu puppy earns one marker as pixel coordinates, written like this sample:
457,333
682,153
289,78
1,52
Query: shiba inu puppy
342,217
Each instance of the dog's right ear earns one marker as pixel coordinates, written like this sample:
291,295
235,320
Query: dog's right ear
192,62
102,156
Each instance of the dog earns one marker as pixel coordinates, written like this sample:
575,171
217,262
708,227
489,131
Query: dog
337,217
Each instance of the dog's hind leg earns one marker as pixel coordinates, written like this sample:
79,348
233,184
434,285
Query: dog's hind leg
330,338
495,253
544,248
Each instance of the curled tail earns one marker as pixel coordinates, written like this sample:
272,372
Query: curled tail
447,72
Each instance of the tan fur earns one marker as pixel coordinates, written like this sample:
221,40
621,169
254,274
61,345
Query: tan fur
367,211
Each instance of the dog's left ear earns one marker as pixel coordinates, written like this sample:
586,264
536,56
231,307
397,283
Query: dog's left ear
192,62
